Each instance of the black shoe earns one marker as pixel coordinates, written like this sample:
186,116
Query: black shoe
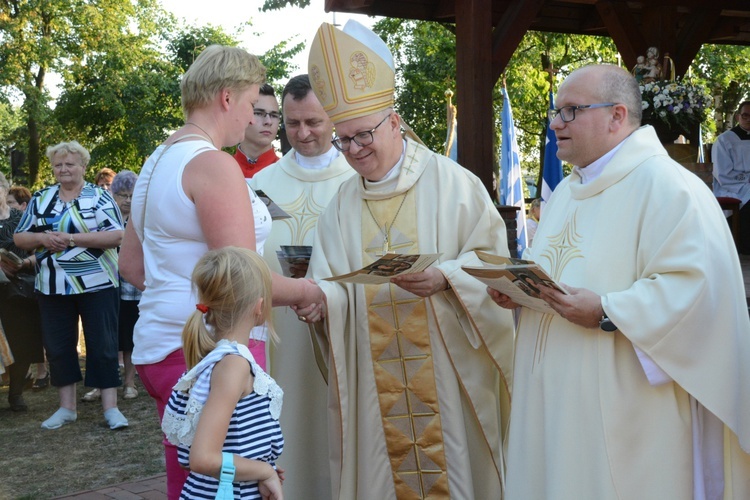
17,403
41,383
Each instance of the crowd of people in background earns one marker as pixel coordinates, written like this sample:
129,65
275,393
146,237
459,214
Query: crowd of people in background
400,389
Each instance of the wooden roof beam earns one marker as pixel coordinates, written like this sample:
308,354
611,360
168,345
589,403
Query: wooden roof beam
474,88
690,37
623,29
509,32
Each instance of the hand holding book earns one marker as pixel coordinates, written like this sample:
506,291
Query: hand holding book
516,278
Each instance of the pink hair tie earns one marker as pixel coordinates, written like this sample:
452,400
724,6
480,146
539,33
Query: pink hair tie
202,308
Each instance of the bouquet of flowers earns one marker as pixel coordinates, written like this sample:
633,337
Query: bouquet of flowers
679,104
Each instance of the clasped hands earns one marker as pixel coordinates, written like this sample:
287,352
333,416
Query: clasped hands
56,241
313,306
582,306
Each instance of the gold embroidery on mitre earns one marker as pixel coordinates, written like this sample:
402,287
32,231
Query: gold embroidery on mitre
317,83
402,364
349,79
362,71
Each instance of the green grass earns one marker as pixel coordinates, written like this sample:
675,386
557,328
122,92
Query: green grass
38,463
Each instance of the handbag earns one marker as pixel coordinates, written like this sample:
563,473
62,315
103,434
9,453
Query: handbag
18,287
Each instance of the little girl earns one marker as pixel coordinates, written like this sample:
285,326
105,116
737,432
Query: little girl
223,414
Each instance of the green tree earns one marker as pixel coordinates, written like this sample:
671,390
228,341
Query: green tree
125,102
40,37
190,42
424,56
278,63
725,68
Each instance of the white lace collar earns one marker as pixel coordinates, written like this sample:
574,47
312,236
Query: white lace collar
196,383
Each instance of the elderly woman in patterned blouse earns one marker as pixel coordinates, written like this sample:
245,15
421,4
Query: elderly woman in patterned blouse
74,228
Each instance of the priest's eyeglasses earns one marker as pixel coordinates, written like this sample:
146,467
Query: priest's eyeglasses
362,139
568,113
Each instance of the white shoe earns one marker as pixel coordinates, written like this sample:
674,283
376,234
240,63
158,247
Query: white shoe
61,417
115,419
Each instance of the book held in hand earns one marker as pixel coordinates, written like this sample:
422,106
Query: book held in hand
517,278
9,256
386,267
294,260
273,209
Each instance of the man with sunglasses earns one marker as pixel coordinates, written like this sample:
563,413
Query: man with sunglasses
418,367
256,150
639,386
731,158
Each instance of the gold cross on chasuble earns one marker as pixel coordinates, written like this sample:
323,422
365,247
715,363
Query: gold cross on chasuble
380,227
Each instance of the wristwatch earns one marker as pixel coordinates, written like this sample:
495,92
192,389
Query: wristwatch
606,324
71,243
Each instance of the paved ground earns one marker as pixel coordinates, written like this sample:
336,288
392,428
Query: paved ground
151,488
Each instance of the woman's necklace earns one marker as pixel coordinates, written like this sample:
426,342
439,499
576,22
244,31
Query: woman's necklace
202,130
386,229
69,195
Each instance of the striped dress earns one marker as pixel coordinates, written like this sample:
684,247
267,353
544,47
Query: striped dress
254,431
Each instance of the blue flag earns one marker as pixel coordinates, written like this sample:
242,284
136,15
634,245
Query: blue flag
511,180
552,172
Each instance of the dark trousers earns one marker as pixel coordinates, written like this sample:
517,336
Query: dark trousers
98,313
743,245
20,318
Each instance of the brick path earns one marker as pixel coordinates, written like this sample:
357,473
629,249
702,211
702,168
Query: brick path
150,488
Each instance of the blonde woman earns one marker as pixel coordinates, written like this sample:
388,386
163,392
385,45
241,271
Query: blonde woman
191,198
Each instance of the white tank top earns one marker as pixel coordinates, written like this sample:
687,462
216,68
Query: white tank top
172,244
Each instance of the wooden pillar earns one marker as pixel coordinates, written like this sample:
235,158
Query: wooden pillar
474,87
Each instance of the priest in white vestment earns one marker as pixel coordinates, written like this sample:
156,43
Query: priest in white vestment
639,388
301,183
418,369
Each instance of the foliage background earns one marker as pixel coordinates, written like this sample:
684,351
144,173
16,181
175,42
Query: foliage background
120,62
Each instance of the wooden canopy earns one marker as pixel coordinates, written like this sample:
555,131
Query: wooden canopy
489,31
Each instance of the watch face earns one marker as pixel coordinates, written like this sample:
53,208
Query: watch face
607,325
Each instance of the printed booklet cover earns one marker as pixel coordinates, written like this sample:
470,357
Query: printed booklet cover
516,278
275,210
390,265
294,260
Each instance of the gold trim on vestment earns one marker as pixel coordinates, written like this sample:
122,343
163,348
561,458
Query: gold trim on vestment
402,361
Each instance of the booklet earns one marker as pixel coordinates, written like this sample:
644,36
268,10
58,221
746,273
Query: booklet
516,278
9,256
275,210
294,260
390,265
